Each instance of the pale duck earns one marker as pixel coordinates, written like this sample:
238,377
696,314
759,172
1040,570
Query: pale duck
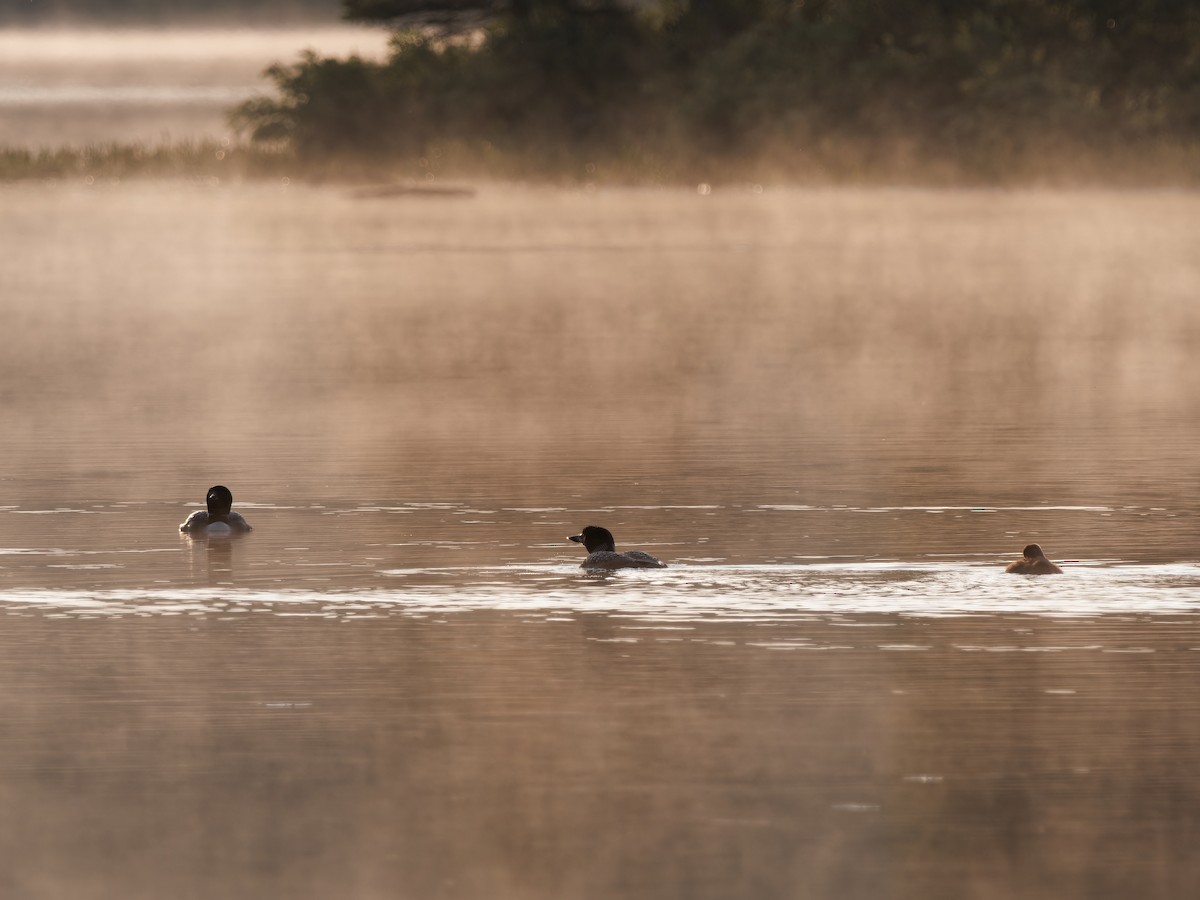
218,518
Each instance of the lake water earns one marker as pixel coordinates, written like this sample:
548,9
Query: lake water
835,413
77,86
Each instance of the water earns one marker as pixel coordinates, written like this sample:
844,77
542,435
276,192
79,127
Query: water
74,86
835,413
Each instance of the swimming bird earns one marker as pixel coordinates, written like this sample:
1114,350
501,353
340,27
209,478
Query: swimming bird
218,518
602,552
1034,562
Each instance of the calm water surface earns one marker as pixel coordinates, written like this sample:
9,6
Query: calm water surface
85,85
835,413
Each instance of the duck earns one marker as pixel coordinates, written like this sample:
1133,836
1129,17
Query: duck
218,518
1033,562
602,552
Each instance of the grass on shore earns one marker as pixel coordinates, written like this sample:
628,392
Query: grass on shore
201,159
1151,164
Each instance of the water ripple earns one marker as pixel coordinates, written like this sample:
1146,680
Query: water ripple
753,594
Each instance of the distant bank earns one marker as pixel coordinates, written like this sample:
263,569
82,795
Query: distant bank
996,92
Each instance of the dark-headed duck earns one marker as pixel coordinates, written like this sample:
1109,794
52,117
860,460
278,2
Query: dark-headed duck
218,518
602,552
1033,562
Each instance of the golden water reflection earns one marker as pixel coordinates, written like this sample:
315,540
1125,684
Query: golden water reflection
584,754
835,413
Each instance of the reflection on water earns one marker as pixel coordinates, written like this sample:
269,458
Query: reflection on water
765,595
293,712
231,753
83,94
835,414
102,545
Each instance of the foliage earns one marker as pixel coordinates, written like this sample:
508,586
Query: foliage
409,11
985,88
448,14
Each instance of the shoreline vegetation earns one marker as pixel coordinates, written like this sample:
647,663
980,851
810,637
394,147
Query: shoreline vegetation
197,159
1163,165
996,92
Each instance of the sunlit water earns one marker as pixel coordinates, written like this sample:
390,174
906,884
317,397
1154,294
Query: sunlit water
81,86
835,414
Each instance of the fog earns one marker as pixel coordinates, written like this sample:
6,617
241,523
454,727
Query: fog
863,347
835,412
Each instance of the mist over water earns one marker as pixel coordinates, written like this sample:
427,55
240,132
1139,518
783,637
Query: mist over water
834,412
958,370
83,85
